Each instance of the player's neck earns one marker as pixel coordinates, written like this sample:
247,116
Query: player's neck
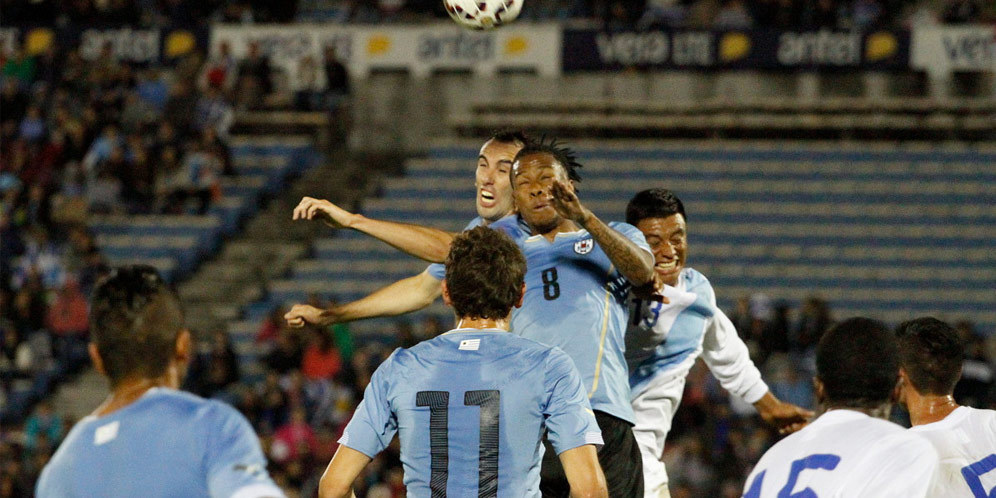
482,323
929,408
128,391
881,411
550,233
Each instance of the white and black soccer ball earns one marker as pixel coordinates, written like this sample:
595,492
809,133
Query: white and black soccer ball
483,14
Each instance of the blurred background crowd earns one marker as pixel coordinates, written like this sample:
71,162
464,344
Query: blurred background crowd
719,14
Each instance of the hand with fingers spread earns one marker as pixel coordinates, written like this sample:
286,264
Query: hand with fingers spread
567,204
334,216
303,314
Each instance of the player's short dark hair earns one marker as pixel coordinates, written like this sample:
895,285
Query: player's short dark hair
135,319
484,274
857,361
510,136
931,352
654,203
561,153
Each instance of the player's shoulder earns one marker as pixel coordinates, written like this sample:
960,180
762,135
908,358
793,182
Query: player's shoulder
474,223
626,229
511,225
694,281
181,405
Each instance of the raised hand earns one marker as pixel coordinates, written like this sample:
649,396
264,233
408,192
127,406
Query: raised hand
334,216
566,202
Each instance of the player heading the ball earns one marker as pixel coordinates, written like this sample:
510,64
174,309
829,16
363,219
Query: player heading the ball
148,438
471,405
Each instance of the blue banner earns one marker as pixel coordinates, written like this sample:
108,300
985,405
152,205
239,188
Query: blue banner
592,50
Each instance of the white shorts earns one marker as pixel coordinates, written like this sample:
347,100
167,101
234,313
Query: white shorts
653,407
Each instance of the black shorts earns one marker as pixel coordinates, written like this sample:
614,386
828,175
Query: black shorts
619,458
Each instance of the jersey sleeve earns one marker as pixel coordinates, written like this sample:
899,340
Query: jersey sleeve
438,270
728,359
568,417
373,424
235,462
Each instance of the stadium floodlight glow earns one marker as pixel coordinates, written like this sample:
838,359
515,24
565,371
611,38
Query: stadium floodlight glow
483,14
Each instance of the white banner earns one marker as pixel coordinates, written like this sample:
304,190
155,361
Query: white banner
942,49
418,49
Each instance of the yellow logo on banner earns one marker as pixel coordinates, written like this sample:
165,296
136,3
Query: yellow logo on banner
38,40
179,43
378,44
516,45
734,46
881,45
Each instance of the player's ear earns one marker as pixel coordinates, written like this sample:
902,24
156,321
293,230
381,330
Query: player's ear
184,347
522,295
902,383
819,390
446,294
98,362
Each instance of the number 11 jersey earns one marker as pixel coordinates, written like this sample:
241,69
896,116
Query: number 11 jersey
470,408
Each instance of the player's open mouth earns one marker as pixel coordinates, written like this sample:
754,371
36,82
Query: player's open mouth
667,267
487,198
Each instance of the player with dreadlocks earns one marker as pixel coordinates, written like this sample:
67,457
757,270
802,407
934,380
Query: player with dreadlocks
579,272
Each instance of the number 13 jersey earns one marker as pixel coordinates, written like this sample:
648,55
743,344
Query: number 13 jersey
576,300
469,408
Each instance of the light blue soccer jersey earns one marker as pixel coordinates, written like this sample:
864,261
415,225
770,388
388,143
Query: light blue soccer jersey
682,322
576,300
470,407
166,444
438,270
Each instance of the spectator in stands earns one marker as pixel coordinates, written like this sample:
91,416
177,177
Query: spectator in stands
733,15
286,356
307,94
44,422
13,102
294,438
21,67
220,69
814,321
255,78
213,112
67,321
321,359
272,326
32,126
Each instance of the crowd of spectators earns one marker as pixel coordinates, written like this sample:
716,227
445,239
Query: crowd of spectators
615,14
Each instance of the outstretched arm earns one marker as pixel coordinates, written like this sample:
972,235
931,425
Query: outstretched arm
423,242
403,296
727,357
634,263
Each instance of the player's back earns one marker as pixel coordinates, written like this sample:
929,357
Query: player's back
470,407
845,454
965,441
167,443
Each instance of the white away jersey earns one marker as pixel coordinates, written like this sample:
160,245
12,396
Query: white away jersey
966,444
846,454
665,340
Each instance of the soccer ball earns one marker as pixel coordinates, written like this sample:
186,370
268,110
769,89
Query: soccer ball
483,14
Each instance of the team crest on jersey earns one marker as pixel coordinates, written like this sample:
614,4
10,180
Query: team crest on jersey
584,246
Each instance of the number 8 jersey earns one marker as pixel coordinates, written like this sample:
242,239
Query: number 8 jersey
470,408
